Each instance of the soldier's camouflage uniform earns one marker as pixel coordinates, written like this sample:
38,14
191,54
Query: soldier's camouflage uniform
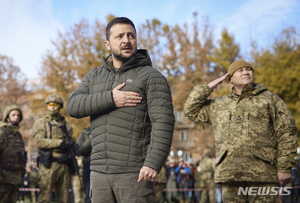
255,133
11,179
206,176
32,182
77,183
57,176
160,182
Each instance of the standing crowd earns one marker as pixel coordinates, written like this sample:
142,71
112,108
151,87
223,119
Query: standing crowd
125,148
189,182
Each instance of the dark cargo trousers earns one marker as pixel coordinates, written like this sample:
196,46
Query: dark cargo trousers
120,188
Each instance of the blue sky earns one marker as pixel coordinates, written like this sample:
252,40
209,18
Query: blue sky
28,26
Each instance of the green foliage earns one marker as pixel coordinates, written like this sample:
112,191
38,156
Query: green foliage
185,54
226,52
12,83
186,59
76,52
279,69
149,36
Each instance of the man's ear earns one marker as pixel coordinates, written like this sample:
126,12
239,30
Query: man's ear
107,45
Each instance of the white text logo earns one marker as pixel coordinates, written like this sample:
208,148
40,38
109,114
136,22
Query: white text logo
264,190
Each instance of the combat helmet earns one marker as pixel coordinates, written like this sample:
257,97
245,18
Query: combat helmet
8,109
206,152
56,99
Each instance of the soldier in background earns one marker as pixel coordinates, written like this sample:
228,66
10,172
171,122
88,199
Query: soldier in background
198,189
160,182
84,142
53,147
12,154
77,183
255,134
32,179
207,183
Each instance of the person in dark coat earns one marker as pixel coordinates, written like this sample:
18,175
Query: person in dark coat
131,115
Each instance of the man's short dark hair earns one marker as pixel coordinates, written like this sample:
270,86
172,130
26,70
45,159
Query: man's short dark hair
118,20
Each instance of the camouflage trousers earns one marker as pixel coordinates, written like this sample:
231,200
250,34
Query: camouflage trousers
58,177
32,193
249,192
77,189
208,191
159,190
8,193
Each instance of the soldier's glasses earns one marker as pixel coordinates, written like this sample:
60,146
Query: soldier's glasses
55,105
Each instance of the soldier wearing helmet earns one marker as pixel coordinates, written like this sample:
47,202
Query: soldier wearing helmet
52,144
12,154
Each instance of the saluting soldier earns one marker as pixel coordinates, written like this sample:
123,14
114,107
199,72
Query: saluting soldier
255,134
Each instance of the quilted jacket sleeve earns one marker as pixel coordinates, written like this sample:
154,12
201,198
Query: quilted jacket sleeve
160,109
82,104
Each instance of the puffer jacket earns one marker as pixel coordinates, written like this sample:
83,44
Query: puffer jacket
255,133
126,139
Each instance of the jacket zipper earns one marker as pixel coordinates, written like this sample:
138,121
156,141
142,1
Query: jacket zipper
106,120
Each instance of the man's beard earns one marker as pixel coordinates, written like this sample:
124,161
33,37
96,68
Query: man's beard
121,57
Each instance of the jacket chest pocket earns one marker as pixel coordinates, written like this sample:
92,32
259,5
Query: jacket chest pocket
134,85
57,133
260,125
221,124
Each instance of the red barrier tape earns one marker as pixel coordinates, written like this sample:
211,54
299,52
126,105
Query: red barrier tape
183,189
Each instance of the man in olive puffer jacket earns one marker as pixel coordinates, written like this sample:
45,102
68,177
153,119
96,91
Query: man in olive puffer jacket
131,115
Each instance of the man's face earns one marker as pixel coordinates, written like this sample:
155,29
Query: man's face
122,42
242,77
14,115
52,106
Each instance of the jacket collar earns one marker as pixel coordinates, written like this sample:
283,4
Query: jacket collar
251,89
141,58
13,129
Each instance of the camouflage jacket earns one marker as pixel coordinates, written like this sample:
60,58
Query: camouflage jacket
47,134
11,177
255,133
206,168
162,176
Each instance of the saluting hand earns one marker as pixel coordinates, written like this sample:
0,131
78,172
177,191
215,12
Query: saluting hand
218,81
124,98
